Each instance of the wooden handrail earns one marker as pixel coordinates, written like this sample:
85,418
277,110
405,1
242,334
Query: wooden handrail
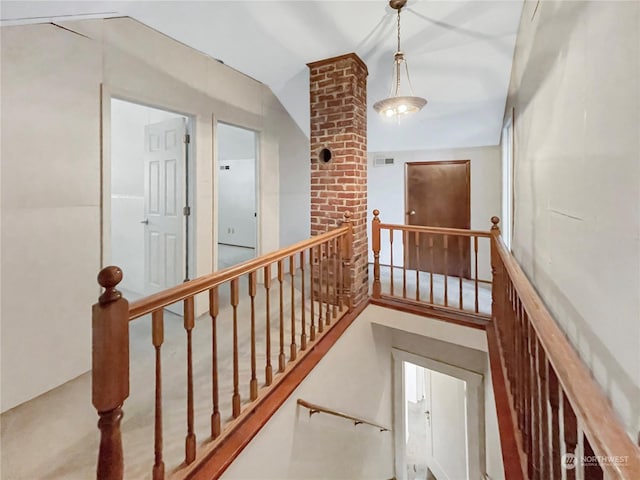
206,282
440,230
439,267
328,258
313,408
597,420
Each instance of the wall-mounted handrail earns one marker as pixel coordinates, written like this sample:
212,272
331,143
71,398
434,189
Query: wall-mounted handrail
313,408
544,370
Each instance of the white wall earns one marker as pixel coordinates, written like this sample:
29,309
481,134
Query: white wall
51,174
127,188
575,89
293,446
386,192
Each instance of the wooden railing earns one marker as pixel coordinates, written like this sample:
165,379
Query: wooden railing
318,273
561,418
443,268
313,409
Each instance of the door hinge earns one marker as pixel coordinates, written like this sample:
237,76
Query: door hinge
187,138
186,211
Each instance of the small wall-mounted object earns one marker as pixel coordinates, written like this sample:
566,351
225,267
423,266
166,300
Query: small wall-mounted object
383,162
225,167
325,155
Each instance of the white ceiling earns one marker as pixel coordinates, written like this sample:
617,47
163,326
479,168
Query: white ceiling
459,53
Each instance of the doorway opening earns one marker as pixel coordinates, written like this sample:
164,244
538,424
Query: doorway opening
237,193
439,418
150,197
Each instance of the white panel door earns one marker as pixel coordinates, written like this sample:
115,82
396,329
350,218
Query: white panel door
164,166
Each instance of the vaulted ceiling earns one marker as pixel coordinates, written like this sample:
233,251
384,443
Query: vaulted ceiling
459,53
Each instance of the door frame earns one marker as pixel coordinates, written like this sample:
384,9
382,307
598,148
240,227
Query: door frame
106,94
258,186
474,404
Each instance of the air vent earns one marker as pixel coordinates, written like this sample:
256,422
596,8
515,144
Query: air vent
383,162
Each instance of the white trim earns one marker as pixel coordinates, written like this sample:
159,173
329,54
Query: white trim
474,406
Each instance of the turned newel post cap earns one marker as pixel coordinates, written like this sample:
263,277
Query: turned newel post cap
376,212
108,278
495,221
347,216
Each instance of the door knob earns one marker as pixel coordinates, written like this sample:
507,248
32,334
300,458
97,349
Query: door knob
145,221
411,212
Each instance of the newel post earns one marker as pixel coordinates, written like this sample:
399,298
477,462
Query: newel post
347,254
375,245
110,371
497,298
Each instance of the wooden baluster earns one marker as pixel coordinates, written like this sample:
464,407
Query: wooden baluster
281,357
235,300
507,314
431,268
554,402
446,270
320,268
334,264
391,231
253,384
517,372
475,249
157,336
527,403
303,335
405,259
340,276
526,395
190,440
497,288
110,371
592,470
312,327
326,260
417,245
347,253
375,245
521,370
545,471
460,273
268,369
534,464
292,272
570,434
214,309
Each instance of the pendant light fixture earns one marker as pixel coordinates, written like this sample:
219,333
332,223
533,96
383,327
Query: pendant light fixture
400,102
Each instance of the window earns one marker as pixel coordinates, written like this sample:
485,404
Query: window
506,223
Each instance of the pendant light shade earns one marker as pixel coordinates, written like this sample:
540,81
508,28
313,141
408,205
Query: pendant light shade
400,102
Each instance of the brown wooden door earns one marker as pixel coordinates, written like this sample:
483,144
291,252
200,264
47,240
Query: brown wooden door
437,194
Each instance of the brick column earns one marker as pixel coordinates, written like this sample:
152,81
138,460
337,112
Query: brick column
338,90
